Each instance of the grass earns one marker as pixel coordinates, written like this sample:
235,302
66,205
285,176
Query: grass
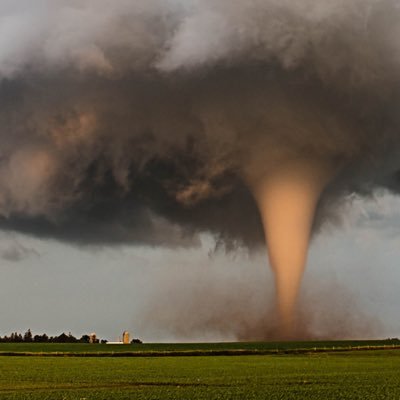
347,375
206,348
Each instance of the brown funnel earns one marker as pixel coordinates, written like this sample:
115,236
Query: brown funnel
287,196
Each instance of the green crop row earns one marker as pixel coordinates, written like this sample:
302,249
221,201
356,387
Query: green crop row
348,375
193,347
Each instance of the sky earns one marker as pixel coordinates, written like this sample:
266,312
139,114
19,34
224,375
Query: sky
148,148
51,287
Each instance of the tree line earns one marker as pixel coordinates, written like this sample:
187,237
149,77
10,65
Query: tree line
28,337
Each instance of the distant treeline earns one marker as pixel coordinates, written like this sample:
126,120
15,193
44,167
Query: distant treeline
27,337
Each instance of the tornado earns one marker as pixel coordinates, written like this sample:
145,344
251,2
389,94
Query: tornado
287,197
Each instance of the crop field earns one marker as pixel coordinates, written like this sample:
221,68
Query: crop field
198,348
349,374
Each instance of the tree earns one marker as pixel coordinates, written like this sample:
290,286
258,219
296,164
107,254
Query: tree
41,338
84,339
16,337
28,336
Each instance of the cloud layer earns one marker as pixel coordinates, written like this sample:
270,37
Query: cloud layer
139,121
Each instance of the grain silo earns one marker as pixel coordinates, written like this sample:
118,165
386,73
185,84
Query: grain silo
125,337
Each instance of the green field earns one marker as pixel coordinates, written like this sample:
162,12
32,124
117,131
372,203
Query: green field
209,348
312,375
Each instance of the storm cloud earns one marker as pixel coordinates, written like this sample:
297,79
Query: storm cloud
141,121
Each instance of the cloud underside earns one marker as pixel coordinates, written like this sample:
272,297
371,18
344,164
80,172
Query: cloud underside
138,122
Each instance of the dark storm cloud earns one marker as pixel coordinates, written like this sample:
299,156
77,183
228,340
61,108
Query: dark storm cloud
140,121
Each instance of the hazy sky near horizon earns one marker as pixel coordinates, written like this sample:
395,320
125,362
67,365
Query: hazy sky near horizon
52,287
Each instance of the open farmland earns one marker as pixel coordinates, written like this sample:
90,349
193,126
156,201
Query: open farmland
313,375
235,348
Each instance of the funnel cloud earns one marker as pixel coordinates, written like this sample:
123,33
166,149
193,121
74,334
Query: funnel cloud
150,122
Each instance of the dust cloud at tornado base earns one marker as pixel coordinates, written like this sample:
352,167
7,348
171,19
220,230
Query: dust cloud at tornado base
195,299
151,122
